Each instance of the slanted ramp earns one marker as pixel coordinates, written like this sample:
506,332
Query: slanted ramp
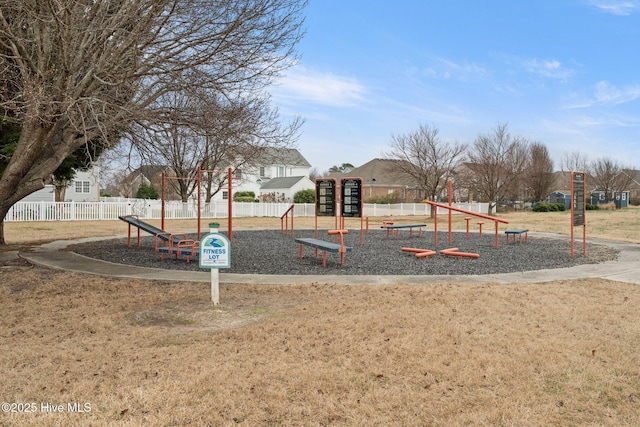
133,220
163,242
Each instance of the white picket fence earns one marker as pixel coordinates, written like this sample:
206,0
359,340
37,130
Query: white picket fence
152,209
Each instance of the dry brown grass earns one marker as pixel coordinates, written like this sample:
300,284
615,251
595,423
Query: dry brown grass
153,353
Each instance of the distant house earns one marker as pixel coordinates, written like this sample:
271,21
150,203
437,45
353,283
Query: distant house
46,194
283,189
382,177
634,186
563,197
278,175
562,194
147,175
621,200
85,186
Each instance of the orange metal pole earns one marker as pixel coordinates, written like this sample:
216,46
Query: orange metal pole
467,218
435,225
479,215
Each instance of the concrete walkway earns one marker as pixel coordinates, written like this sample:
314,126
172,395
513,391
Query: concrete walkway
625,269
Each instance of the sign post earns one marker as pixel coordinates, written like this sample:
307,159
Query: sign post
578,208
351,201
215,253
325,199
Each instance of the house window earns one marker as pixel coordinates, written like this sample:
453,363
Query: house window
82,186
601,196
262,171
280,171
225,195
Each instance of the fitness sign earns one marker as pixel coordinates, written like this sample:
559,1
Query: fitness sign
350,191
215,251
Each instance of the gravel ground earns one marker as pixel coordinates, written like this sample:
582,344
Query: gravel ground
271,252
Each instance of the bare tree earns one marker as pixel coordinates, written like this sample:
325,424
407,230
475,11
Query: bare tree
495,163
610,177
77,70
538,175
426,158
574,161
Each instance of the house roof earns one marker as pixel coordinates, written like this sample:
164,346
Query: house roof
382,172
282,182
285,156
148,171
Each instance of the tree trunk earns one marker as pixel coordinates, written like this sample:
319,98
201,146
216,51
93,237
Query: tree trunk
32,164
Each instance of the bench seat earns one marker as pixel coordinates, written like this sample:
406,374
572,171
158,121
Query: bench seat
519,232
324,246
397,227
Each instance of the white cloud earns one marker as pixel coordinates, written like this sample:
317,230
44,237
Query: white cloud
547,68
301,84
616,7
446,69
605,93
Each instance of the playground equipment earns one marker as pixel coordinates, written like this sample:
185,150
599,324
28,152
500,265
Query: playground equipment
348,198
284,221
420,253
176,243
325,246
436,205
199,196
578,208
456,253
395,228
517,232
163,242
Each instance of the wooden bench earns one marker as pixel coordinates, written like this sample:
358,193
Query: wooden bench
392,227
519,232
325,246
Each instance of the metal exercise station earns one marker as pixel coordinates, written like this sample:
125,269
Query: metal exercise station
177,244
349,198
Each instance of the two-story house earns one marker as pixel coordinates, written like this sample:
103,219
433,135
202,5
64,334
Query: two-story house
276,177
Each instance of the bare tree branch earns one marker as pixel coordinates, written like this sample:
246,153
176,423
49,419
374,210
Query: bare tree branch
77,70
426,158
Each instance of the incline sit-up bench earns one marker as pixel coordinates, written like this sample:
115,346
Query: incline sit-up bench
163,242
325,246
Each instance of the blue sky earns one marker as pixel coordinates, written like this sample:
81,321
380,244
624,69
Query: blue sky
562,72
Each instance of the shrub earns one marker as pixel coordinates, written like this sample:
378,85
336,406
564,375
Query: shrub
244,196
591,207
549,207
146,191
393,197
305,196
